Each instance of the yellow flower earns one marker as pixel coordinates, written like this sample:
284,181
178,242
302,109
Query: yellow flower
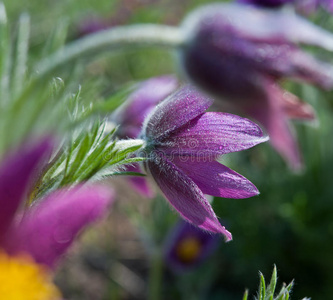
22,278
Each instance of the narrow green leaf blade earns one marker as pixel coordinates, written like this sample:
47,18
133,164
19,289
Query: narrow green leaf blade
262,287
127,174
57,38
246,294
21,54
75,165
5,58
272,285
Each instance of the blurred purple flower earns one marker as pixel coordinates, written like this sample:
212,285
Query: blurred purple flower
141,102
132,113
267,3
303,6
92,25
187,246
182,145
48,228
238,53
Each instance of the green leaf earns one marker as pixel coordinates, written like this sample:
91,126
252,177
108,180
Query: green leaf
246,294
82,151
5,58
290,286
57,38
271,287
131,161
262,287
94,162
21,54
268,293
126,174
114,101
123,150
54,165
92,154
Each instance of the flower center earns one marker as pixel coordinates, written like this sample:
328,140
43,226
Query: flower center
188,249
21,278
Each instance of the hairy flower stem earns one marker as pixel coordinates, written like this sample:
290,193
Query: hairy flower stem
155,276
112,39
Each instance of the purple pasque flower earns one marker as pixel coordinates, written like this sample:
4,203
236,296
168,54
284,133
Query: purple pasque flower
132,113
238,53
187,246
45,230
141,102
267,3
302,6
182,143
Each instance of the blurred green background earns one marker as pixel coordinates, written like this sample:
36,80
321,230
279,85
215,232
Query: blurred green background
289,224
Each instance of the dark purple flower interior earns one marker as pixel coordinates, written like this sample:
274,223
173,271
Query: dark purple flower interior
188,246
267,3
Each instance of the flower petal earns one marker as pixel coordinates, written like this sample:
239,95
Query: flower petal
259,24
138,183
269,112
305,67
16,173
266,3
301,30
49,228
294,108
185,196
214,178
225,59
214,134
132,113
175,111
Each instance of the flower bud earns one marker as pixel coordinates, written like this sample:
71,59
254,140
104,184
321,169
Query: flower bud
237,53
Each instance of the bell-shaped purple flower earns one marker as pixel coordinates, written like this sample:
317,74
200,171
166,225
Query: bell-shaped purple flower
182,145
302,6
267,3
132,113
48,228
141,102
238,53
188,246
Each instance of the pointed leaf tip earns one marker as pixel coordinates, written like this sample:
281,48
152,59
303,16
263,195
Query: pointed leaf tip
272,285
246,294
262,287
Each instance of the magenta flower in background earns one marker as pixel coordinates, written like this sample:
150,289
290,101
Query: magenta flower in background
182,145
187,246
92,25
267,3
131,114
147,95
48,228
303,6
238,53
